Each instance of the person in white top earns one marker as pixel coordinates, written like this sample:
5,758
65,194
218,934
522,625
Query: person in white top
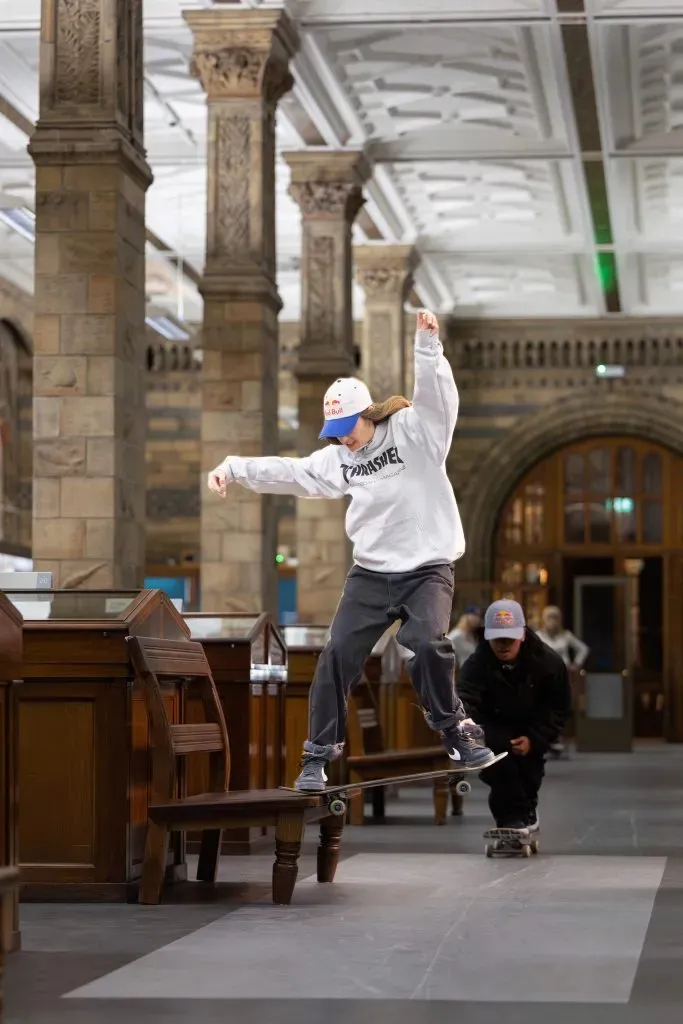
464,635
572,650
389,458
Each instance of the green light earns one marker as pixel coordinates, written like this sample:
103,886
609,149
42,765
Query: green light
600,369
279,559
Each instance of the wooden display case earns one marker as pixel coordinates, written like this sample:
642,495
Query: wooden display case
248,659
10,671
83,742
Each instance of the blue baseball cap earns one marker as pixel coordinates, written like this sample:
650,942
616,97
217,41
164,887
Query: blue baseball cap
343,403
504,620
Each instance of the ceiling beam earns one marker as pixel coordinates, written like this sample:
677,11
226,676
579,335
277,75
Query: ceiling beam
575,42
436,144
328,13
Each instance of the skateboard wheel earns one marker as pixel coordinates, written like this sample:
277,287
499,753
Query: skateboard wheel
337,807
526,851
462,788
488,850
534,846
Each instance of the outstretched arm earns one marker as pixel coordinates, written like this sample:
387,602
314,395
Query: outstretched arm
310,477
435,400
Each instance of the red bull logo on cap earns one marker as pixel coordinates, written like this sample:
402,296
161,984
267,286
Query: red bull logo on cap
333,407
503,618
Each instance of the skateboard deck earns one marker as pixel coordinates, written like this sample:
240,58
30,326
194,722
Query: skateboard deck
337,794
511,842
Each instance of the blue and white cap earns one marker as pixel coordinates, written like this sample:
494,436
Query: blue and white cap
343,403
504,620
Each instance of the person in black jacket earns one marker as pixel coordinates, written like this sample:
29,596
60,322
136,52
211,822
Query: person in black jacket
517,689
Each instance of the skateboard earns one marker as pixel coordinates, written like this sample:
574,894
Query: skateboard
337,796
511,842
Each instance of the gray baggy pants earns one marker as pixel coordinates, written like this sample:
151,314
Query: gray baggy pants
370,603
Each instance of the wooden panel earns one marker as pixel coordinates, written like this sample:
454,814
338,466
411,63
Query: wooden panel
51,652
84,755
10,670
57,761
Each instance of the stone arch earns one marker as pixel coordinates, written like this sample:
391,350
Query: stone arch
15,436
630,413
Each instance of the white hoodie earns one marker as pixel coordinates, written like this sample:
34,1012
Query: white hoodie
402,513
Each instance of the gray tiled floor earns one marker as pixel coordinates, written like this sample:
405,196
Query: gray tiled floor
411,931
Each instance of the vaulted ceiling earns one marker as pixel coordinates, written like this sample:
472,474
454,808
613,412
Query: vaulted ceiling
532,150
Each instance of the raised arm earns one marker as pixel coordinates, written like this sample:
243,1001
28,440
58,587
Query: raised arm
579,649
310,477
435,399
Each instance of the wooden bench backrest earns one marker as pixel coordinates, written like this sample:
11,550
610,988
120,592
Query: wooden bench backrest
183,660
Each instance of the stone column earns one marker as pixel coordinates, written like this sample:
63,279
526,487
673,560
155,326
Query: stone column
385,274
242,59
328,186
88,407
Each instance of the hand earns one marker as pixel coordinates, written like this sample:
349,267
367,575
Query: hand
218,481
521,746
426,321
470,727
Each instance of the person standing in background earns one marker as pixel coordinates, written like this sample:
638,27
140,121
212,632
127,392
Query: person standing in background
572,651
464,635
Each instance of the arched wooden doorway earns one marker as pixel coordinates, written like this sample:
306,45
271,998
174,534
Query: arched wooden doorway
601,507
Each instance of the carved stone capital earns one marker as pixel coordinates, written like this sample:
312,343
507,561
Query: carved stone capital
328,184
332,199
239,73
242,54
385,271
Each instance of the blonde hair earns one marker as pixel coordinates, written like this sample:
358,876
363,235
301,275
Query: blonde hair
379,412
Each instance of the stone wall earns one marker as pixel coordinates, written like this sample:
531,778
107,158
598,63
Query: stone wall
16,327
527,388
172,452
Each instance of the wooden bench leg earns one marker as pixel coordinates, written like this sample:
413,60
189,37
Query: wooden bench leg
288,835
209,851
357,809
328,851
154,863
441,794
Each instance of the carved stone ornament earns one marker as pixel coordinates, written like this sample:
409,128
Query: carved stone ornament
382,282
77,52
328,198
320,312
238,72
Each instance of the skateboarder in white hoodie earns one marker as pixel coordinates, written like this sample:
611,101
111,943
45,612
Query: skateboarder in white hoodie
404,524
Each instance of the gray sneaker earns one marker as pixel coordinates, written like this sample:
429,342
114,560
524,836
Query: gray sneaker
464,748
313,777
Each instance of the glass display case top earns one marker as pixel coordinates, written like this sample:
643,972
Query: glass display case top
268,655
305,636
63,605
205,626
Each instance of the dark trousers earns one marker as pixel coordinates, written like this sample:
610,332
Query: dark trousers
515,781
370,603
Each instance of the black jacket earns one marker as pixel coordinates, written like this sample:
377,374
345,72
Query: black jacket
532,699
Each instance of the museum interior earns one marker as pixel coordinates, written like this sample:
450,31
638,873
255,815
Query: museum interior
210,210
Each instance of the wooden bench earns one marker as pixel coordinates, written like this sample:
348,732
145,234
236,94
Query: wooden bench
367,758
9,883
212,812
